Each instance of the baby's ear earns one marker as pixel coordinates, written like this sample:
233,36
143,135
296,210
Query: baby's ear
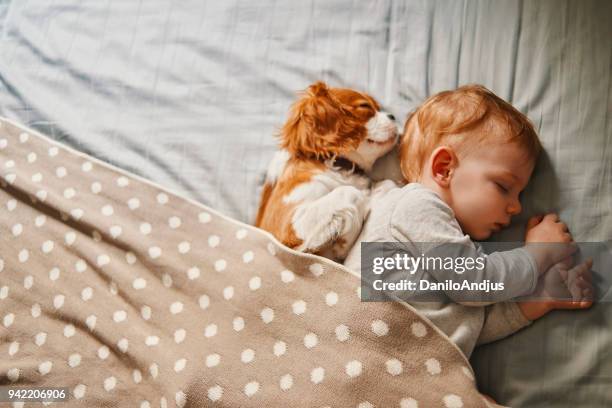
443,162
316,125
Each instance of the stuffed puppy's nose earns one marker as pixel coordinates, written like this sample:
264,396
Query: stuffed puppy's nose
390,116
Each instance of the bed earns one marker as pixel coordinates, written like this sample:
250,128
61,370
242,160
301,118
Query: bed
190,94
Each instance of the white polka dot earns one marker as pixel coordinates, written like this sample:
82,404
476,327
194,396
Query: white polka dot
17,229
95,187
123,181
331,298
80,266
53,151
174,222
13,348
286,382
228,292
3,143
87,166
179,365
145,404
123,344
380,328
280,348
28,281
353,368
112,288
394,366
110,383
167,280
24,255
251,388
139,283
86,293
58,301
210,330
133,203
271,249
365,404
35,310
247,356
4,292
180,398
342,333
10,178
155,252
23,137
204,217
213,241
409,403
204,301
299,307
267,315
115,231
418,329
137,376
255,283
44,368
162,198
31,157
41,195
103,353
184,247
119,316
452,401
69,330
11,204
241,233
54,274
316,269
77,213
8,320
154,370
433,366
176,307
9,164
310,340
1,264
91,322
179,336
40,338
37,178
69,238
152,341
145,228
79,391
248,257
13,374
317,375
193,273
103,260
220,265
215,393
213,360
74,360
130,258
287,276
47,246
69,193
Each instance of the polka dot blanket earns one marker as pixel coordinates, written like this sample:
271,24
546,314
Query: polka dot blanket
131,296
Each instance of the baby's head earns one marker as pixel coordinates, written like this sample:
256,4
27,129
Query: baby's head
476,151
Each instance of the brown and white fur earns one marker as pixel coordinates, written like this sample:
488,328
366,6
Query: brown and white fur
315,197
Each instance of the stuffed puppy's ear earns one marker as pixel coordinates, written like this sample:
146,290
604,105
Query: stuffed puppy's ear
319,126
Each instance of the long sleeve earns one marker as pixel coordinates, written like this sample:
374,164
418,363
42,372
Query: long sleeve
442,236
501,320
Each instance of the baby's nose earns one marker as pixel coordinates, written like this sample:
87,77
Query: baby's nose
515,208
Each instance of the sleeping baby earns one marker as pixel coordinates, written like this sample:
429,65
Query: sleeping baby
467,155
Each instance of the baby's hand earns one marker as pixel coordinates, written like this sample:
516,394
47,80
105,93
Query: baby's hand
563,287
548,240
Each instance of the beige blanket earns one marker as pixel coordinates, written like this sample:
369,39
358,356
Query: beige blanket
130,295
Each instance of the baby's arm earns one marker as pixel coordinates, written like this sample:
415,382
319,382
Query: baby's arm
501,320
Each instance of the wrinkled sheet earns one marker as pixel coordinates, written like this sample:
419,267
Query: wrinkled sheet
189,94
